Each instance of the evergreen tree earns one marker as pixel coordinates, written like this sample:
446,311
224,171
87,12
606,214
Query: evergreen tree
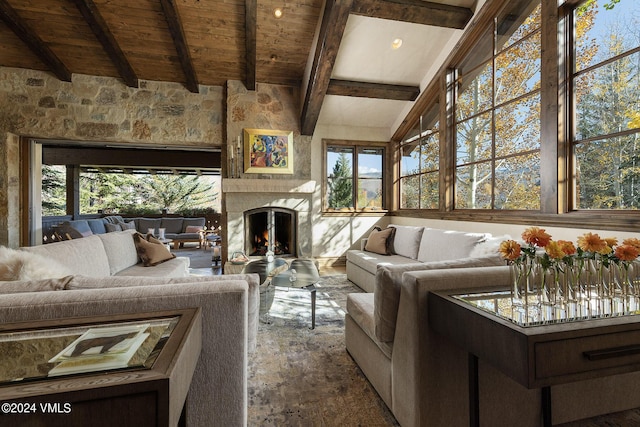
341,184
53,190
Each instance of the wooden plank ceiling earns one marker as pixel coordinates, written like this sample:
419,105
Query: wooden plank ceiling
204,42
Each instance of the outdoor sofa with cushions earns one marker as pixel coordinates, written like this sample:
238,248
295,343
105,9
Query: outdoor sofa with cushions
419,246
423,378
178,229
218,389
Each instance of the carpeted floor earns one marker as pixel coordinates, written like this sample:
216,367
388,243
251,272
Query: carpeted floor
304,377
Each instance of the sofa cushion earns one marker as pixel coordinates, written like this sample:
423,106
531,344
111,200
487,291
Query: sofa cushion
127,225
146,223
112,227
120,249
406,241
370,261
176,267
150,250
360,308
171,225
43,285
192,229
81,256
192,221
97,226
380,241
441,245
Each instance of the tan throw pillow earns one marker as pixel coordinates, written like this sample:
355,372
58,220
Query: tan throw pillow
379,241
151,251
193,229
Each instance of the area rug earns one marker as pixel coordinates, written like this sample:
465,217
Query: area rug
304,377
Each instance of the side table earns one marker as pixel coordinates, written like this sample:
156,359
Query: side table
150,390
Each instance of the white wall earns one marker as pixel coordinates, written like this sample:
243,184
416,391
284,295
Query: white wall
334,235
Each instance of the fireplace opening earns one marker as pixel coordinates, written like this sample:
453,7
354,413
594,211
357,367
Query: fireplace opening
270,229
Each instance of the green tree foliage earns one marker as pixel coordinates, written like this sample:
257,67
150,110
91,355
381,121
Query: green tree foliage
53,191
129,194
341,184
498,123
607,107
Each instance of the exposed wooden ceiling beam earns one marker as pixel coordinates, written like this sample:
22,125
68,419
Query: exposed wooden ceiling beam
102,32
415,11
334,21
130,157
179,39
33,41
373,90
251,22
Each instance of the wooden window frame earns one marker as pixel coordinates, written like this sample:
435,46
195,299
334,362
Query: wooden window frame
356,145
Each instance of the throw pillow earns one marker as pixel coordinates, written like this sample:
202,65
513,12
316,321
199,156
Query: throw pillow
127,225
151,252
193,229
112,227
380,241
407,240
23,265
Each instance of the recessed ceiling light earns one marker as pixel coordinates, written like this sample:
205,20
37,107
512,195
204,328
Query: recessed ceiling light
396,43
277,12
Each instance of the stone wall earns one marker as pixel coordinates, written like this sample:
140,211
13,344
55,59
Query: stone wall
268,107
90,108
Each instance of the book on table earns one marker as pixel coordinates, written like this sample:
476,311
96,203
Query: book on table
100,349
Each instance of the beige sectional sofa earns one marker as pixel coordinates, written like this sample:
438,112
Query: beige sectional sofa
109,254
423,378
423,248
100,275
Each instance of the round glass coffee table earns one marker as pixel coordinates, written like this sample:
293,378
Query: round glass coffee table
302,274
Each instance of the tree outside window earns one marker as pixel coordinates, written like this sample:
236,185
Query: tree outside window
420,164
606,104
354,177
497,114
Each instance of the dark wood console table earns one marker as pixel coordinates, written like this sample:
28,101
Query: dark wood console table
535,355
148,390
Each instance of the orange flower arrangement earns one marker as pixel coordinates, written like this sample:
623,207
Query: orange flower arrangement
589,246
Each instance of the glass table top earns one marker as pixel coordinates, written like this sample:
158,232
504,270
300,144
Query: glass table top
36,354
532,313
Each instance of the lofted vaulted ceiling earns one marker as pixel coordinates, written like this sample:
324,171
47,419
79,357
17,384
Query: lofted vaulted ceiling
337,51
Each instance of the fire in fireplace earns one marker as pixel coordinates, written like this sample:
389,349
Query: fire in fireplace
270,229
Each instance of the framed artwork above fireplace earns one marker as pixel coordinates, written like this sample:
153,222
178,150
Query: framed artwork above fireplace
268,151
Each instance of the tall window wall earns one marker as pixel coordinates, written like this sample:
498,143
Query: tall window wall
585,83
420,164
605,77
497,114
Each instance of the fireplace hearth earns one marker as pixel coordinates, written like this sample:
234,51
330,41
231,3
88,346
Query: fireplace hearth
270,229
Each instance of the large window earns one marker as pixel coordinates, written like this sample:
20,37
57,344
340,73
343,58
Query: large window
497,114
354,176
605,72
420,164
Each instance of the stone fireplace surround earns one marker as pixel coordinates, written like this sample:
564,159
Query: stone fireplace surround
245,194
